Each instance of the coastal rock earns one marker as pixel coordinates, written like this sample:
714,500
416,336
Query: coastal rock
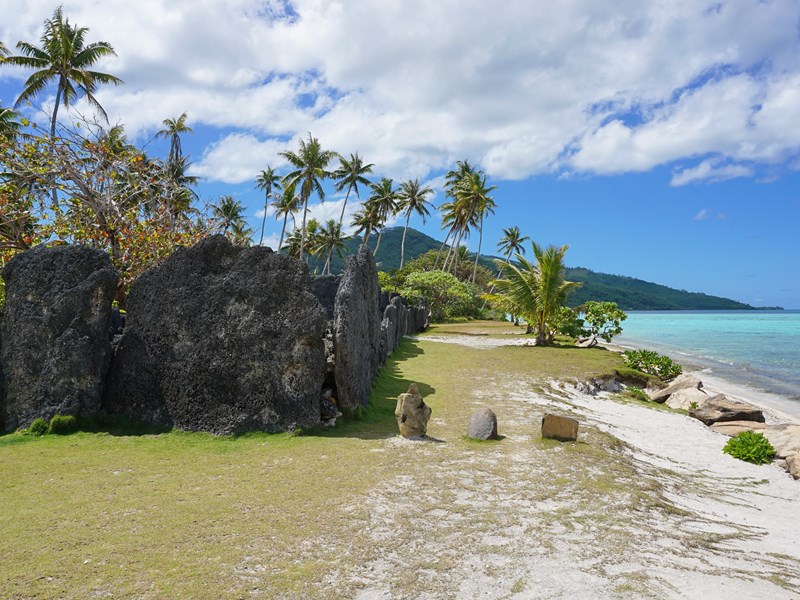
483,425
56,346
599,384
785,438
589,342
560,428
412,413
734,428
357,330
222,339
719,408
793,465
682,382
687,399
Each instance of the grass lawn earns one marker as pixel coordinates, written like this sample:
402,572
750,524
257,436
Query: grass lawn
186,515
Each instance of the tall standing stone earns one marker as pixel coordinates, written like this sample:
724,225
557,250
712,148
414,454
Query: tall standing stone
55,333
357,330
222,339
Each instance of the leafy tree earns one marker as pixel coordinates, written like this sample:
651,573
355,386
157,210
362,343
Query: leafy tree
328,240
64,57
602,319
173,128
412,198
535,291
266,181
310,169
446,296
427,262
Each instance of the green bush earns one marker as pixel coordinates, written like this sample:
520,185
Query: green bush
63,425
638,393
751,447
446,296
38,427
652,363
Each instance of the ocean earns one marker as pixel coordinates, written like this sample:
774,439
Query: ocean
758,349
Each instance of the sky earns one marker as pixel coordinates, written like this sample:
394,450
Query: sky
659,140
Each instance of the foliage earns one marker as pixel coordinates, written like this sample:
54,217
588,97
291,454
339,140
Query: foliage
63,425
602,319
446,296
38,427
652,363
638,393
463,272
568,322
386,282
751,447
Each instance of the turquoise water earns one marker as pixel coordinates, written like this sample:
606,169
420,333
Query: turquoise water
760,349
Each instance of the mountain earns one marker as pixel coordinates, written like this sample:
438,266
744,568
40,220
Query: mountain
629,293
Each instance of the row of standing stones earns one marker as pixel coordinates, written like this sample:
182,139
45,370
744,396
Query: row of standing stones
217,338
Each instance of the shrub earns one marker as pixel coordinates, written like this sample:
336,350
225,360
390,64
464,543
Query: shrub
38,427
447,297
638,393
652,363
63,425
751,447
603,319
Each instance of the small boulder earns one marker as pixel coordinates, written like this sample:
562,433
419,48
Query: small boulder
734,428
483,425
555,427
687,399
785,438
589,342
793,465
682,382
412,413
719,408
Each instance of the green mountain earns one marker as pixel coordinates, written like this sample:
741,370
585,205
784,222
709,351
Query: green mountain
629,293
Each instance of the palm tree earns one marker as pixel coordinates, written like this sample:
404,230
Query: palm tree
9,126
349,174
3,49
512,242
241,234
412,198
310,164
286,204
173,128
384,200
534,291
473,192
64,57
367,219
329,238
267,180
228,213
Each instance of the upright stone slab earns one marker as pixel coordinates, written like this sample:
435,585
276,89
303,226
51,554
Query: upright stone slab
324,288
222,339
560,428
357,330
55,333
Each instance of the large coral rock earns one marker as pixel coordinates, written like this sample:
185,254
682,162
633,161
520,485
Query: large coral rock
221,339
324,288
412,413
687,399
785,438
357,330
55,333
682,382
719,408
734,428
560,428
483,425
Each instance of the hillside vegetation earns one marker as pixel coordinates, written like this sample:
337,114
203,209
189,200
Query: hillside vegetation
629,293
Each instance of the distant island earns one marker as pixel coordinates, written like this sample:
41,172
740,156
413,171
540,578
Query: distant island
629,293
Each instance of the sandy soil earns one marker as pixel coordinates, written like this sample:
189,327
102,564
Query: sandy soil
664,514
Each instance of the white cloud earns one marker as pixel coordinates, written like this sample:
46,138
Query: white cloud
702,215
709,170
574,86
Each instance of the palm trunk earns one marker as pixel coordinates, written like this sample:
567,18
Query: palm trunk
346,196
449,254
283,230
477,256
439,254
378,245
403,243
303,230
366,238
264,220
53,134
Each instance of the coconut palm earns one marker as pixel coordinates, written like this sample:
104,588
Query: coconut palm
65,58
329,238
349,174
310,164
534,291
9,126
367,219
228,212
384,201
3,51
173,128
474,193
267,180
412,198
512,242
286,204
241,234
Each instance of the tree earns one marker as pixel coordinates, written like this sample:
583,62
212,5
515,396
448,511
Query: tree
384,201
602,319
350,173
328,239
534,291
64,57
310,163
267,180
228,214
173,128
512,242
412,198
9,125
452,212
366,220
3,51
446,296
473,192
286,204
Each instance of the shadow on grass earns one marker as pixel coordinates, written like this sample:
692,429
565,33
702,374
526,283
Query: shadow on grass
378,420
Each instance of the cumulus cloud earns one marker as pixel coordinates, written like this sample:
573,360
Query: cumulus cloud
702,215
568,87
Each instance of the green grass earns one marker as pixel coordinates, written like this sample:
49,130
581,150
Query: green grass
130,512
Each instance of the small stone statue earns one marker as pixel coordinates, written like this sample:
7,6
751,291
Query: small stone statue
412,413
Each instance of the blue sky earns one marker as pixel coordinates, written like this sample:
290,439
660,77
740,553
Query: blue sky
659,140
